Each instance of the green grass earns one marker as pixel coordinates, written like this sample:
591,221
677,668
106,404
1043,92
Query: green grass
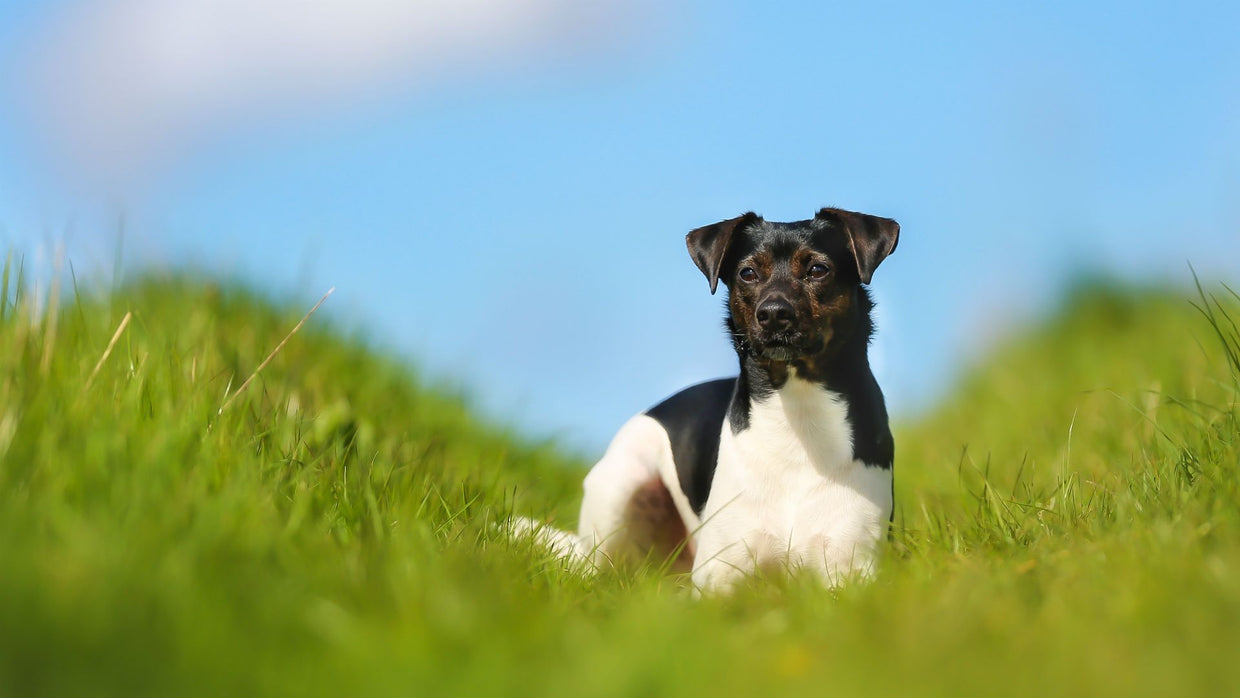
1068,523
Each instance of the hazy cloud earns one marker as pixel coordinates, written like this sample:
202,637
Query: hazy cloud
117,87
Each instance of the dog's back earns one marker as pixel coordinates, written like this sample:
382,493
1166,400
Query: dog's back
693,419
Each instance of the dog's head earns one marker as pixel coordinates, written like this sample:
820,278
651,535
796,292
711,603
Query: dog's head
793,287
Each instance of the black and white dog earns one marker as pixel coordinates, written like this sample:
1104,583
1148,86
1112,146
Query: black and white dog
787,465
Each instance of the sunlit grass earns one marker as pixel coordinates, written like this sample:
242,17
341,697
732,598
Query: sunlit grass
1068,522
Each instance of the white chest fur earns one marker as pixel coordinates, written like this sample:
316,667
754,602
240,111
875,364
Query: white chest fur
787,492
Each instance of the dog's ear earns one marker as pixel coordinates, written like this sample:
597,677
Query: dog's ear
708,245
870,238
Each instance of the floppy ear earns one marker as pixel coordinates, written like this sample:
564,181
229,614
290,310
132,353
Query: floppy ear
708,245
870,238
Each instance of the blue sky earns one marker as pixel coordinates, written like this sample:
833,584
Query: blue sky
516,228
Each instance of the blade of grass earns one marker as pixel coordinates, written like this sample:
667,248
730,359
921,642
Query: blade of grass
273,353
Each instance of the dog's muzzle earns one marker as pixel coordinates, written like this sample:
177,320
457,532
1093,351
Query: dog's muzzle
778,337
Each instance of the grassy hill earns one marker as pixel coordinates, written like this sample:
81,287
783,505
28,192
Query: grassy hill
1068,522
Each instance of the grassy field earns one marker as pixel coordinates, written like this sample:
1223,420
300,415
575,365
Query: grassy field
1068,522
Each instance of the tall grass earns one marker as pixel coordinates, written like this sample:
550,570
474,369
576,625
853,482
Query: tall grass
1068,522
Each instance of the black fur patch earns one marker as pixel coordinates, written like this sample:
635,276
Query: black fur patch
693,419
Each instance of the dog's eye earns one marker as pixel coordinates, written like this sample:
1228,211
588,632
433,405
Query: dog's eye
748,275
817,271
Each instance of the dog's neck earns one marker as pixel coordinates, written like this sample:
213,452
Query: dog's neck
842,369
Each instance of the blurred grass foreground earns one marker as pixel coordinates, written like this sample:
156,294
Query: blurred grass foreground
1068,522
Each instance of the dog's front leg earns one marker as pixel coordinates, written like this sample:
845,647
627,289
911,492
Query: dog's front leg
724,560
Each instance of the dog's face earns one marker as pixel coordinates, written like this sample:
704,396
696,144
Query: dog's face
793,286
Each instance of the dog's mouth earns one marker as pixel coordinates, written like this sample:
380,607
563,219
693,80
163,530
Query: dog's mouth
785,346
778,353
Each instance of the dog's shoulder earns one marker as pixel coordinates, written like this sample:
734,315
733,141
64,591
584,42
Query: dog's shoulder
693,419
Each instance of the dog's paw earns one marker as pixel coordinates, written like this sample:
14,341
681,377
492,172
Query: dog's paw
560,542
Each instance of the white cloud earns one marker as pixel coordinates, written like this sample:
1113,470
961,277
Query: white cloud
120,86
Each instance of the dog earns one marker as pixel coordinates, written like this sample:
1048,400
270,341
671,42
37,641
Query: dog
789,464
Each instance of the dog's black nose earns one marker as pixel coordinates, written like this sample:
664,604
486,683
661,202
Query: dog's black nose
775,314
